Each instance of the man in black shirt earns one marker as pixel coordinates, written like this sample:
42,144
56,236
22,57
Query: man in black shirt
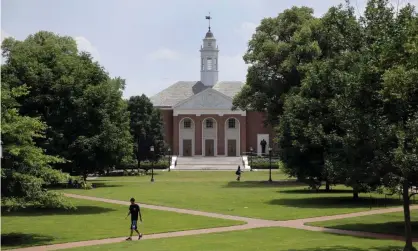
134,211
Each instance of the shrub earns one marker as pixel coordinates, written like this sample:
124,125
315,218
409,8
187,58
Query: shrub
147,165
259,162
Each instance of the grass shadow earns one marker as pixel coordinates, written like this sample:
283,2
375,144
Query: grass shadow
21,239
259,184
344,248
81,210
393,227
334,202
103,184
321,191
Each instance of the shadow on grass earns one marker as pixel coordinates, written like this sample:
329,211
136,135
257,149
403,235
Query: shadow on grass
342,248
394,228
103,184
257,184
321,191
95,184
81,210
335,202
21,239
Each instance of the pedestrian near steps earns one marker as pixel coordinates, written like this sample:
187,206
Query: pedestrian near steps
238,173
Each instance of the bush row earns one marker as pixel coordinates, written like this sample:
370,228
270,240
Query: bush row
146,165
258,162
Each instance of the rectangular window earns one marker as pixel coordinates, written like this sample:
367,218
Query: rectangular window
231,123
209,123
187,124
209,44
209,62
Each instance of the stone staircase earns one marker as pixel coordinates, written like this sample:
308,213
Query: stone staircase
208,163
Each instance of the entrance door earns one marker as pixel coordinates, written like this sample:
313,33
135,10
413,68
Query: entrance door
232,147
209,147
187,147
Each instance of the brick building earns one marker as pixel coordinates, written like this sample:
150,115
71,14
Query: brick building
198,118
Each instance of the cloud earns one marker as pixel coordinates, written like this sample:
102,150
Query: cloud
246,30
84,44
164,54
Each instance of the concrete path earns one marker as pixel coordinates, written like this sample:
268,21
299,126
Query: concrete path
251,223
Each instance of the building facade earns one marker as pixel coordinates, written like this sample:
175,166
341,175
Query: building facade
198,116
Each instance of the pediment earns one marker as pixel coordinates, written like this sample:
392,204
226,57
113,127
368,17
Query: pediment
207,99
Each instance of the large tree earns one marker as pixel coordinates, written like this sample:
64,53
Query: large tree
146,128
351,116
308,130
398,74
75,97
26,169
277,53
104,122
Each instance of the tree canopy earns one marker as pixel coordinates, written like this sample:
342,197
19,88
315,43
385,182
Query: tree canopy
86,117
342,93
146,128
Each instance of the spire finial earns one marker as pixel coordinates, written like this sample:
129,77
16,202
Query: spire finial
209,18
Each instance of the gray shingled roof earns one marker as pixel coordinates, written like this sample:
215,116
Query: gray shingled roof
182,90
229,88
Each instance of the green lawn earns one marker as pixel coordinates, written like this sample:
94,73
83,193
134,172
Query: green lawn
91,220
219,192
391,223
264,239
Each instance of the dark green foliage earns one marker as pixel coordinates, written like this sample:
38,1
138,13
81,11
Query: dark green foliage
26,169
343,93
146,127
87,120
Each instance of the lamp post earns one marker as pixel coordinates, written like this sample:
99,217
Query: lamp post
169,158
270,180
251,158
152,163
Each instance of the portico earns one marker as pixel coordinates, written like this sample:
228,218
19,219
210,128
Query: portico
207,126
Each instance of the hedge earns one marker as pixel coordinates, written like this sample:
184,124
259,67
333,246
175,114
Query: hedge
146,165
263,163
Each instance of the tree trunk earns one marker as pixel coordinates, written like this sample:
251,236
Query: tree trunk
407,218
355,194
327,186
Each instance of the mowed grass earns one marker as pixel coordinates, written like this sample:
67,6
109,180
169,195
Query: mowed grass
264,239
219,192
91,220
390,223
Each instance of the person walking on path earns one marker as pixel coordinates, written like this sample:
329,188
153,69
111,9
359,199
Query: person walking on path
134,211
238,173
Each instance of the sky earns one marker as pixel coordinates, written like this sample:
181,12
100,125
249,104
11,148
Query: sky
153,44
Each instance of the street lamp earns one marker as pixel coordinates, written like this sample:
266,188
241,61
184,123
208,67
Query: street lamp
152,163
251,158
169,158
270,180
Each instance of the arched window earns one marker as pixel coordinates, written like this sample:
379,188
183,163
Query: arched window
187,123
231,123
209,123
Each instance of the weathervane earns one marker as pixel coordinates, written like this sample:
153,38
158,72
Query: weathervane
209,18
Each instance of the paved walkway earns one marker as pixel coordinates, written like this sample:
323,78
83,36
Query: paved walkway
251,223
